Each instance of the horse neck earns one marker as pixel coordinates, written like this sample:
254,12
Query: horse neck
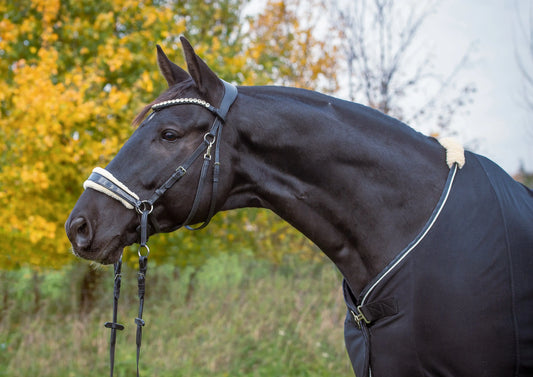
357,183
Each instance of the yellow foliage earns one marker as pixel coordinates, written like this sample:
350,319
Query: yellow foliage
74,74
284,31
41,229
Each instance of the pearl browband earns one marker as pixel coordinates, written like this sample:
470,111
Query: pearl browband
179,101
105,182
192,101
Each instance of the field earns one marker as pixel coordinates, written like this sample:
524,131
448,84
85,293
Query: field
236,316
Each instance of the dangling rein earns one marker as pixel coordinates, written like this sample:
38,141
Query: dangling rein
144,209
103,181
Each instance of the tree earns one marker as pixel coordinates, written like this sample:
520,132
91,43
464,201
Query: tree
73,75
279,48
524,177
385,66
63,108
283,47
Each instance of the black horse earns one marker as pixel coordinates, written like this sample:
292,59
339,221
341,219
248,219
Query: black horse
437,257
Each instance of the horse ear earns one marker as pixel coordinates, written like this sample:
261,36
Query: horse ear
206,80
172,73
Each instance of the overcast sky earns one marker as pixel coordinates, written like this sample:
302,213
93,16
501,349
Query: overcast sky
499,121
498,124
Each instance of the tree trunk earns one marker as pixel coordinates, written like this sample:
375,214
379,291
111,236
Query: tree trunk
88,289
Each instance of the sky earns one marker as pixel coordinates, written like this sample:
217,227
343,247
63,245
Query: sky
498,125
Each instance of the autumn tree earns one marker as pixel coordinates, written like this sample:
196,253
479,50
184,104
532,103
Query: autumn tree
64,107
389,69
74,74
278,47
286,32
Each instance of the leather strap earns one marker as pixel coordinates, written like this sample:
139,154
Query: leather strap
365,315
103,181
230,93
199,189
373,311
141,284
99,182
110,186
114,326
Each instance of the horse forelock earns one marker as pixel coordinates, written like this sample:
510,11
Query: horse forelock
173,92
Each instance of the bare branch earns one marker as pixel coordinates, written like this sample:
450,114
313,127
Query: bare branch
379,41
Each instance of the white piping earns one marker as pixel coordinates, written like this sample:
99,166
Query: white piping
420,238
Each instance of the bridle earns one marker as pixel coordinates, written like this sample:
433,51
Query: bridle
103,181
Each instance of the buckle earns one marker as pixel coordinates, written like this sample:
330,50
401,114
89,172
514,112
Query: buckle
360,318
113,325
210,140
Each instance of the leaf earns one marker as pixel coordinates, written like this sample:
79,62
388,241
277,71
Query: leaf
73,76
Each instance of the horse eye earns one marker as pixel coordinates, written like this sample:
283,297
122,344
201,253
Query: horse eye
169,135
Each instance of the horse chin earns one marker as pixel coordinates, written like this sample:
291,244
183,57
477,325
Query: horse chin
111,256
106,254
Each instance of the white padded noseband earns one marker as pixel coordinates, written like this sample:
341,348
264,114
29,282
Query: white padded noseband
90,184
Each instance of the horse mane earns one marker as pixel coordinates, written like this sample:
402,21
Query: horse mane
172,92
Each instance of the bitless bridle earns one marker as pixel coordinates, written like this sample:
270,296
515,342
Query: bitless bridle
103,181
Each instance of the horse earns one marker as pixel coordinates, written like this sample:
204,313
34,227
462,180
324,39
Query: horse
435,243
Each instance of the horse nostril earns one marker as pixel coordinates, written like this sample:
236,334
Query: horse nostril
80,233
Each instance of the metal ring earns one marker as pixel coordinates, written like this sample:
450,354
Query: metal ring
207,136
145,247
144,206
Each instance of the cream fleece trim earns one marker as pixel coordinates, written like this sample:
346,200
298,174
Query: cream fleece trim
455,152
90,184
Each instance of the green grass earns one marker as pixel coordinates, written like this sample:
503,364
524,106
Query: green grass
236,316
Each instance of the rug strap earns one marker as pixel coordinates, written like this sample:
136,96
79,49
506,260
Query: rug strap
371,312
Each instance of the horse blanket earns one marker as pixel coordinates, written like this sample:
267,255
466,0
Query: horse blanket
457,301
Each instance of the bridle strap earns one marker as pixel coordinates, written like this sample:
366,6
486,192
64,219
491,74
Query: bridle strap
230,93
214,187
103,181
141,284
114,326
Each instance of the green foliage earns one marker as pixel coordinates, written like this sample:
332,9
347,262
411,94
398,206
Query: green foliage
254,231
72,76
264,320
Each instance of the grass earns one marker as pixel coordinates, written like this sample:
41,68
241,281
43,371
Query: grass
236,316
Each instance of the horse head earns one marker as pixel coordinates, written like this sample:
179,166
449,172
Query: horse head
173,141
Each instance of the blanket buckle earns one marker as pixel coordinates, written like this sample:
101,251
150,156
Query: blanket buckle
360,318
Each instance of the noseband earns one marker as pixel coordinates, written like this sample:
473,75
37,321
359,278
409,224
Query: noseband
103,181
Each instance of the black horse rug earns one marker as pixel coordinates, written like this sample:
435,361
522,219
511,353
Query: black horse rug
458,301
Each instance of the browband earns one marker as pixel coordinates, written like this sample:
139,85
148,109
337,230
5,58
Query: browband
104,182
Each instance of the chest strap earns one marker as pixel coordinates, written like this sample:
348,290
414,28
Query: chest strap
369,312
373,311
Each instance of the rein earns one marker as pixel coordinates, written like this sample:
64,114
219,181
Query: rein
103,181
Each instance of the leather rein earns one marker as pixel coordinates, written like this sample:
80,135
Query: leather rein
103,181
